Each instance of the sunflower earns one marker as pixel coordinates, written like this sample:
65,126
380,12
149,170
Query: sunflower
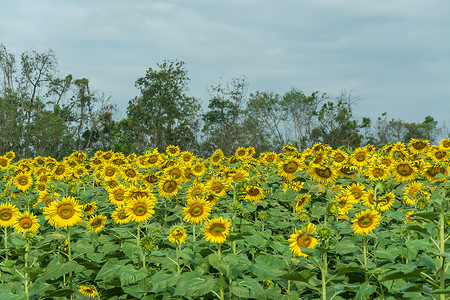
301,201
296,185
253,193
240,153
196,210
8,214
411,189
117,195
430,171
366,221
444,144
287,168
88,291
196,190
216,230
168,187
289,149
322,174
47,198
268,157
302,239
438,154
120,216
141,209
347,170
96,223
63,213
130,174
217,186
110,171
90,208
23,181
150,180
198,169
410,215
177,234
4,163
384,202
175,171
133,192
186,157
238,175
172,150
377,172
216,157
361,157
345,201
404,170
60,170
40,187
418,146
339,157
26,222
357,190
368,198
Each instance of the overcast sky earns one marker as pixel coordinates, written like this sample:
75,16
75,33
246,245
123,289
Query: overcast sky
393,55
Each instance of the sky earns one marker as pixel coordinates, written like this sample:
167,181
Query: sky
393,56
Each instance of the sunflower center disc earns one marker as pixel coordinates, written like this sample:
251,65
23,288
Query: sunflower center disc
169,186
140,210
377,172
23,181
253,191
339,158
291,167
324,173
66,211
59,170
404,170
6,215
3,162
304,241
217,229
25,223
364,222
196,210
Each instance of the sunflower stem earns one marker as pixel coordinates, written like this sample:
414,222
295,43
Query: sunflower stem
219,253
442,247
69,256
27,249
365,256
6,241
323,270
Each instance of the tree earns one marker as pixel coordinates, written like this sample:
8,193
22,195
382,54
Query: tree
223,122
162,114
302,114
337,126
264,118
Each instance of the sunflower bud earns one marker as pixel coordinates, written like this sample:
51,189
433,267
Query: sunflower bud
147,242
303,216
422,202
332,208
267,283
262,215
324,233
380,188
237,206
30,236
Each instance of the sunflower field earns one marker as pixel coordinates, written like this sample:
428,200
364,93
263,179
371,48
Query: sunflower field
321,223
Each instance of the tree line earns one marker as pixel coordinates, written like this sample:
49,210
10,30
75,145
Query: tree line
44,113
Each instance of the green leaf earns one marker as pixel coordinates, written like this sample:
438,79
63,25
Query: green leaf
422,230
57,269
427,215
224,265
192,284
130,249
350,268
385,254
110,270
398,274
302,276
83,246
161,280
345,247
248,287
364,291
129,275
267,267
59,293
441,291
